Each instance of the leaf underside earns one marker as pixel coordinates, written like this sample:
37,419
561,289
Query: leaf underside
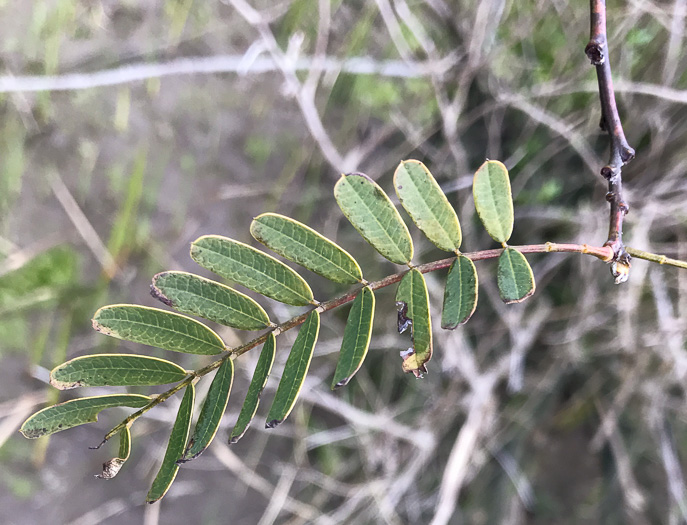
175,447
251,268
460,293
493,200
195,295
295,370
514,277
115,370
257,384
76,412
303,245
371,212
427,205
211,413
356,339
414,300
159,328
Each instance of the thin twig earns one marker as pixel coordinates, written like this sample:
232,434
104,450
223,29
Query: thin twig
653,257
677,33
279,496
621,152
556,124
632,493
243,65
559,89
305,99
83,225
458,463
252,479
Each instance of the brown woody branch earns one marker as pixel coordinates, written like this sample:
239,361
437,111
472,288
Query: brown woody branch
621,152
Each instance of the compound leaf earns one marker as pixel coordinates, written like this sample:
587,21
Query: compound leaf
251,268
413,301
257,384
427,205
155,327
356,339
76,412
112,467
175,447
371,212
303,245
115,370
295,369
493,199
460,294
514,277
192,294
212,412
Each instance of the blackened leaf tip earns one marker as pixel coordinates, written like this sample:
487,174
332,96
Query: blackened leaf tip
341,383
157,294
274,423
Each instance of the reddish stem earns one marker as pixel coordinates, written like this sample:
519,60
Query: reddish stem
621,152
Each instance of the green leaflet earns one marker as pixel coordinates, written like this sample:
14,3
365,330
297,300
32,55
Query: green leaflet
460,294
76,412
295,369
413,300
192,294
112,467
493,200
115,370
371,212
514,277
212,412
175,447
154,327
257,384
303,245
356,339
427,205
251,268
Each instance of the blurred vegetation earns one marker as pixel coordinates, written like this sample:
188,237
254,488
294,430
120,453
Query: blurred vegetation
587,425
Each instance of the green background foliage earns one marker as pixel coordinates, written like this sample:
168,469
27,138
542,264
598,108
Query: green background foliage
153,165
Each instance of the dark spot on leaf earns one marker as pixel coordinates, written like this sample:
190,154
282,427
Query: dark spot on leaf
273,423
157,294
343,382
189,458
403,321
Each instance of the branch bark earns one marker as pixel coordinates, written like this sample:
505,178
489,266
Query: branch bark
621,152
